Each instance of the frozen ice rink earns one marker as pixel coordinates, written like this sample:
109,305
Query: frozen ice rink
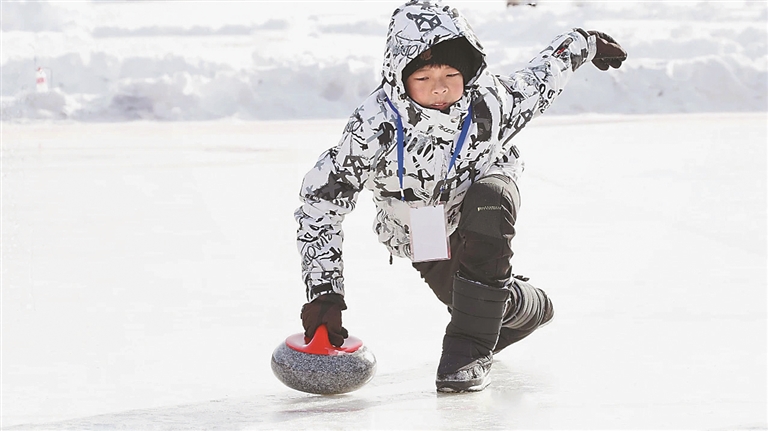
149,270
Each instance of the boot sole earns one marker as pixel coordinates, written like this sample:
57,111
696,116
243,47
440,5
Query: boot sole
449,387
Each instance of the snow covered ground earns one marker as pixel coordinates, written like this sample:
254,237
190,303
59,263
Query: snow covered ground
149,267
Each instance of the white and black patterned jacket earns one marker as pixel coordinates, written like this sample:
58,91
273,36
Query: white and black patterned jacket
366,156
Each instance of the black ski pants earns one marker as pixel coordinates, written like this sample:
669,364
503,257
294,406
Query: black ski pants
481,246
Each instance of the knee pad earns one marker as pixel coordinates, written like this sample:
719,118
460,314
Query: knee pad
490,207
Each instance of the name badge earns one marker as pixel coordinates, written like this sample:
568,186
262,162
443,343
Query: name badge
429,234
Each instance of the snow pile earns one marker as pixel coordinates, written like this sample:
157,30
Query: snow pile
114,61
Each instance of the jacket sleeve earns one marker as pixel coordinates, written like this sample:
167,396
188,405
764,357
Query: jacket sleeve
329,191
530,91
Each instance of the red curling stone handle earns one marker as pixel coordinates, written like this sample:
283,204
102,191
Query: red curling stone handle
320,345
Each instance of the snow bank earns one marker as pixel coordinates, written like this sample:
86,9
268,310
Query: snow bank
114,61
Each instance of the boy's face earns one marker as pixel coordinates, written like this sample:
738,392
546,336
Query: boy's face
436,87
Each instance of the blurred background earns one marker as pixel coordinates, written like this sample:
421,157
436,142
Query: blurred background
176,60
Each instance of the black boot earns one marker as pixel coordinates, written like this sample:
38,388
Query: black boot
529,308
470,336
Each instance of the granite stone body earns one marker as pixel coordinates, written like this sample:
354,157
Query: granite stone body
323,374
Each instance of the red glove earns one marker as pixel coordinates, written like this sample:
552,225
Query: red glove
325,309
609,52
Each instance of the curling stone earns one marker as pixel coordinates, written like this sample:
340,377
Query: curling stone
318,367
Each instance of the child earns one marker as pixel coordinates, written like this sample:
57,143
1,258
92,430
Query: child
433,144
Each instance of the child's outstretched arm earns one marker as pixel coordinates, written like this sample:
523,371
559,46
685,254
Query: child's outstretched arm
536,86
531,90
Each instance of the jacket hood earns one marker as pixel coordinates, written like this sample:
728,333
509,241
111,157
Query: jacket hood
415,27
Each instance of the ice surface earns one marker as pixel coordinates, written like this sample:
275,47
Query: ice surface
149,270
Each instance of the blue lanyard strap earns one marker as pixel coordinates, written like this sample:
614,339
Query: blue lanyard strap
401,145
462,137
400,148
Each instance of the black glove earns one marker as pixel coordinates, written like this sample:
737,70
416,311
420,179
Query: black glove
609,52
325,309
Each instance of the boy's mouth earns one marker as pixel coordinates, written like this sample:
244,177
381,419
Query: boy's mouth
439,106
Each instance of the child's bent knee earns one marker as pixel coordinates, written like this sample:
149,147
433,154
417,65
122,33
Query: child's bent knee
490,207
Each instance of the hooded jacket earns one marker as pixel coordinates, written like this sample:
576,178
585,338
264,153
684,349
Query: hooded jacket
367,157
